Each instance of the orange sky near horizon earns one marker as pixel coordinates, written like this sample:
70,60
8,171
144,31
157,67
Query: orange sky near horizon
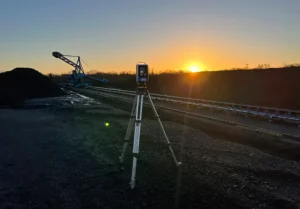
172,55
112,36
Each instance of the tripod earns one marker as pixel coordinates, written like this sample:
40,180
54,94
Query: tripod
136,117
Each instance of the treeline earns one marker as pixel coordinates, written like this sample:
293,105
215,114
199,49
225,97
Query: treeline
274,87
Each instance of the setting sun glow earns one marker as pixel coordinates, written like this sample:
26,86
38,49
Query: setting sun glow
194,69
194,66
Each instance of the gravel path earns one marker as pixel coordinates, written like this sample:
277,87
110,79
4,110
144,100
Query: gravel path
67,158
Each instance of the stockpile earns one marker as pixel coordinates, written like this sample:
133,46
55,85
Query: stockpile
20,84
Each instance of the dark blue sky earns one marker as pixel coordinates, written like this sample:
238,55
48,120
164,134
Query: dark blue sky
168,34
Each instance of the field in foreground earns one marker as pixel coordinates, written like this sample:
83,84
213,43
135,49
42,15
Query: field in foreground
67,158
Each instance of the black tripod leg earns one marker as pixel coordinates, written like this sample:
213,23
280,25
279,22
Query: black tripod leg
163,130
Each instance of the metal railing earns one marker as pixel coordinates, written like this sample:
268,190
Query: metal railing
251,110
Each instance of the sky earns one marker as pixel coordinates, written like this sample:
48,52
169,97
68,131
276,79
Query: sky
113,35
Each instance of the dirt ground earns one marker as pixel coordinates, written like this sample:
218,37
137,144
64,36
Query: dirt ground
278,138
68,158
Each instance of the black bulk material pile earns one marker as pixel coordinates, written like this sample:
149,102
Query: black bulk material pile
20,84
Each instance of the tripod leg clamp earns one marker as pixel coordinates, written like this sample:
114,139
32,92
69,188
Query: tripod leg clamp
136,155
138,121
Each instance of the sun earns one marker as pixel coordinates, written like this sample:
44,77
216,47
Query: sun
194,69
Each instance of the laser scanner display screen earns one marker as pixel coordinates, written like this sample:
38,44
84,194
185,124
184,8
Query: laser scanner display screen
143,71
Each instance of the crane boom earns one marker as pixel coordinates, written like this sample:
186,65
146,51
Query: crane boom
78,66
78,73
